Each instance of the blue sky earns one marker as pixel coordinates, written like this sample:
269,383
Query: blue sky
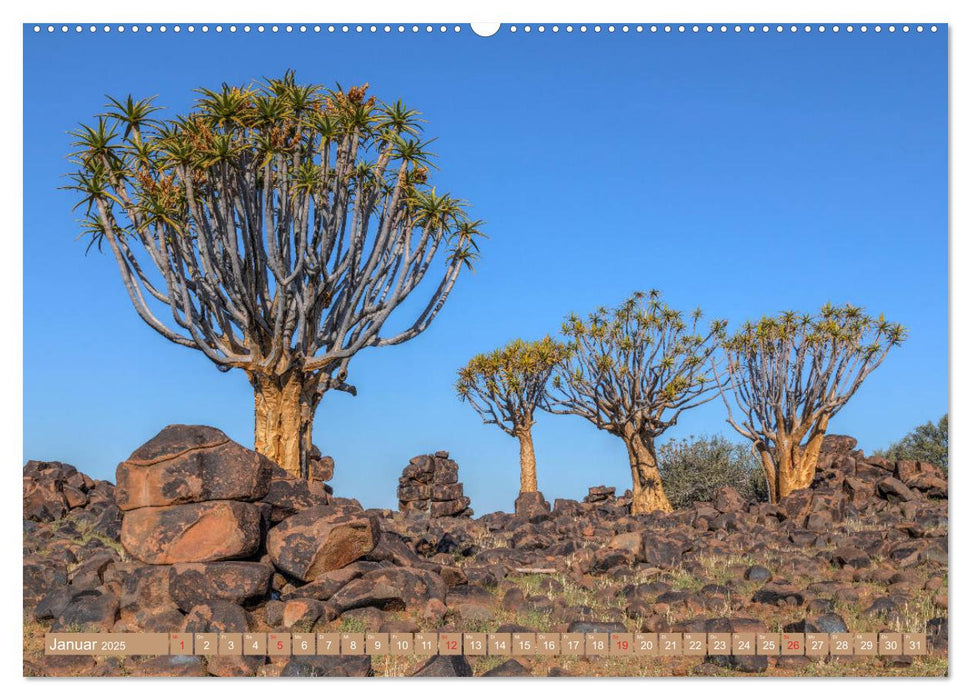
743,173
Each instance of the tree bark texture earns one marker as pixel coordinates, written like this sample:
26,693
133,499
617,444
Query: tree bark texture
284,413
527,461
647,489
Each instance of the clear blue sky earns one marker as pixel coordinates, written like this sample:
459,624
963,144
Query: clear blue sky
743,173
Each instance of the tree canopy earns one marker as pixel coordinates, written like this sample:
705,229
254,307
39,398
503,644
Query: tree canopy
276,222
638,366
788,375
506,385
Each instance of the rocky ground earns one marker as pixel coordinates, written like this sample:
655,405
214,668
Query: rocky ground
200,534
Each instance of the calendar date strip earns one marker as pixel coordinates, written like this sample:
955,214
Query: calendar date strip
662,644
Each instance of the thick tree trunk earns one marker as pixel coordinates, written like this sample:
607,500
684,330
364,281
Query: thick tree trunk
527,461
285,408
793,466
648,491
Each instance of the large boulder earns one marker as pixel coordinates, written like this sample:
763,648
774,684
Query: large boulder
195,532
321,539
190,464
238,582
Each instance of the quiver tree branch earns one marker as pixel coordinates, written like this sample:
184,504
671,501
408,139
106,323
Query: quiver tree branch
788,376
633,371
505,387
277,227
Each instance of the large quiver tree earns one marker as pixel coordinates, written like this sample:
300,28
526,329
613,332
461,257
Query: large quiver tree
505,387
279,225
790,375
633,371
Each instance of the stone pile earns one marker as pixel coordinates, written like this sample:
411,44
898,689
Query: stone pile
867,543
600,494
429,486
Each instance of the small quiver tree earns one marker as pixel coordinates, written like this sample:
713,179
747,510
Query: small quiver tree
633,371
790,375
505,387
279,225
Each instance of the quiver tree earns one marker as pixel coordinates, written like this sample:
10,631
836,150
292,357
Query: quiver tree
279,225
632,371
790,375
505,387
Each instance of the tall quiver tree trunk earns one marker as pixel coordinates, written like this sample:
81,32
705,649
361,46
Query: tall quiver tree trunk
284,415
648,492
527,461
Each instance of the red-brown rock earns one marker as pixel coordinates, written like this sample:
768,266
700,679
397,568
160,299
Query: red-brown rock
195,532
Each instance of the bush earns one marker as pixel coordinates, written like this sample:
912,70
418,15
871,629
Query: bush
692,470
925,443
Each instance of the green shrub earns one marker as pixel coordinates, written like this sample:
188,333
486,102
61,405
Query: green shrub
693,469
925,443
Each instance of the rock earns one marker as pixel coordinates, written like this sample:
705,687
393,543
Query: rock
600,494
319,540
216,616
243,583
303,613
531,504
662,552
88,611
329,582
894,490
289,496
444,667
195,532
322,468
828,623
62,666
169,667
779,594
429,486
851,556
884,608
400,588
937,635
145,588
630,543
43,502
758,574
328,666
593,627
728,500
234,666
837,445
508,669
190,464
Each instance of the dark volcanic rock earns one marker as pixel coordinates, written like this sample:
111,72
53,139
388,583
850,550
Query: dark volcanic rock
531,504
445,667
321,539
429,486
243,583
399,588
328,667
508,669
